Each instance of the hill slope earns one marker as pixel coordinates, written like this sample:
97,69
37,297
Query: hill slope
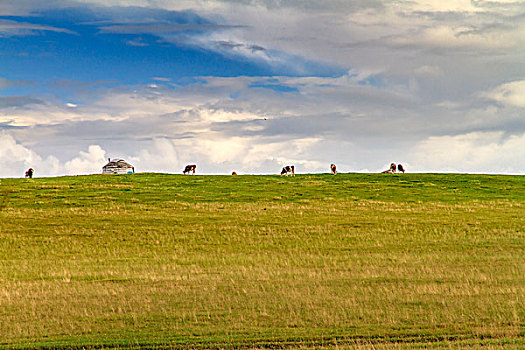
149,260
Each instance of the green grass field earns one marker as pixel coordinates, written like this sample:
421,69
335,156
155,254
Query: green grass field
312,261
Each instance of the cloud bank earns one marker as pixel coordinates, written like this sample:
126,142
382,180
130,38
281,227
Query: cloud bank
254,85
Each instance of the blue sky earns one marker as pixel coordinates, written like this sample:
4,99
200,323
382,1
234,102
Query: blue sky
131,45
254,85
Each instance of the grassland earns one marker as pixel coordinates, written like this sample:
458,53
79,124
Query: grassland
321,261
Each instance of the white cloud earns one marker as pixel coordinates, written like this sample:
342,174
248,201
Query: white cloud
329,120
221,116
276,154
460,37
222,149
15,159
512,93
159,155
445,5
484,152
13,28
89,162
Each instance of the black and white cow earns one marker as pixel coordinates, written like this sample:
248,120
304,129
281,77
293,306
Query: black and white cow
287,170
189,168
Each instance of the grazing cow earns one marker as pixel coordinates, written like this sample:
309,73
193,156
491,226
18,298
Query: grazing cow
287,170
333,168
392,169
234,173
400,168
189,168
29,173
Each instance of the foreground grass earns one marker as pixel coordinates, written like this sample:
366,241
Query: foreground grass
353,260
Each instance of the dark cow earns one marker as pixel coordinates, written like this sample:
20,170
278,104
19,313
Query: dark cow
333,168
400,168
29,173
189,168
234,173
287,170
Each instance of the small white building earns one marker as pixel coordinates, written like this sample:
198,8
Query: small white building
117,166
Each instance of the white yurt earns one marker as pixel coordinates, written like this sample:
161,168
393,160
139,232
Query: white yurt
118,166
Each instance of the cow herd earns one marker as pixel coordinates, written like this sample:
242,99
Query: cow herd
290,169
287,170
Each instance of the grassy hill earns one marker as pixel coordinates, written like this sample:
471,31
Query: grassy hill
353,260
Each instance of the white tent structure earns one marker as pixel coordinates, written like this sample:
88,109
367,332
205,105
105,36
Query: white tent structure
117,166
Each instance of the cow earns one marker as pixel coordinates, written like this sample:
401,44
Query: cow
287,170
29,173
392,169
333,168
234,173
189,168
400,168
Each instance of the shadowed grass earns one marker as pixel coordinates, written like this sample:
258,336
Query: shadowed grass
353,260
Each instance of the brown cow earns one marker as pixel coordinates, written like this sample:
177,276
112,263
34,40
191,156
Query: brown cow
29,173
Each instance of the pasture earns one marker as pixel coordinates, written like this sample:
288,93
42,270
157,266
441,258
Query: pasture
311,261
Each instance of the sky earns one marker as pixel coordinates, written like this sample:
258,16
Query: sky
253,85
